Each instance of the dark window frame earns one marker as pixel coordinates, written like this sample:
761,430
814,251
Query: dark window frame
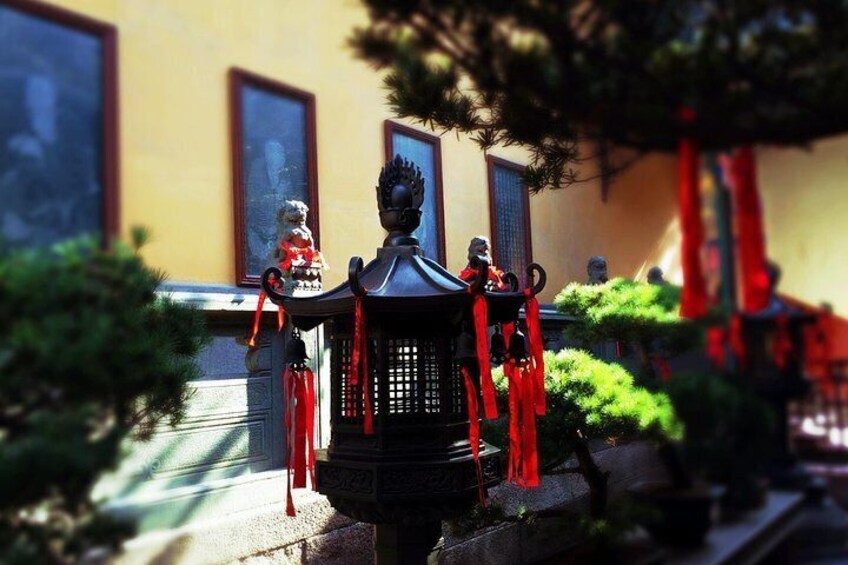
491,163
239,78
389,128
107,34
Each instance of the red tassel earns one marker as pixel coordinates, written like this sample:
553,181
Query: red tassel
537,347
481,329
514,467
783,348
741,173
474,430
529,456
359,370
299,390
523,468
694,300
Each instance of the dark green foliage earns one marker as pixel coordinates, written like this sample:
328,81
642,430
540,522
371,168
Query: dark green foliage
590,399
728,431
554,75
89,356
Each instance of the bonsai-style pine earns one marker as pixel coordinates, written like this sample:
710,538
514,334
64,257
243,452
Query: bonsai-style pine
640,316
557,76
588,399
89,356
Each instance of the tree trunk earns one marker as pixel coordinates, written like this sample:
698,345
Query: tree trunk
595,478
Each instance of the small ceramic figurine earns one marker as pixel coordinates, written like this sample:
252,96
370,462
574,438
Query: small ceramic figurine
295,254
479,249
597,270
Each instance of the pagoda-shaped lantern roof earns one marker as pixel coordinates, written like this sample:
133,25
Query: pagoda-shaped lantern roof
401,279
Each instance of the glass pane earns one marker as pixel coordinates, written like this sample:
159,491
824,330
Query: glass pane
51,140
423,154
511,226
274,157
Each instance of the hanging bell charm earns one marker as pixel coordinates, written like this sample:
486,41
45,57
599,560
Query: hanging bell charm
497,351
296,351
518,347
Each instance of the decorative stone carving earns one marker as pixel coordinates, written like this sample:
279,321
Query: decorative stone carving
295,254
597,269
479,252
655,276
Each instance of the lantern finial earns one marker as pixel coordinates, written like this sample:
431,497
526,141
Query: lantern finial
400,194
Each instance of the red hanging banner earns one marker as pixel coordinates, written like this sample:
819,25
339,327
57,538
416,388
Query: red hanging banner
741,173
783,348
693,303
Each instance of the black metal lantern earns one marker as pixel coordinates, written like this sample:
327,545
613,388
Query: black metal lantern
416,468
773,366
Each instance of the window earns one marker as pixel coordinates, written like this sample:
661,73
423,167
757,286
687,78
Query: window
425,151
509,207
274,160
58,126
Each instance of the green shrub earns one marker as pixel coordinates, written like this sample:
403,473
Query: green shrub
589,398
89,355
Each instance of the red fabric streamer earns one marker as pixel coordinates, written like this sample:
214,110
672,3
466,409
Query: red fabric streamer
257,319
289,254
299,389
694,299
782,347
514,467
481,329
740,170
818,350
474,429
523,466
359,371
537,347
716,352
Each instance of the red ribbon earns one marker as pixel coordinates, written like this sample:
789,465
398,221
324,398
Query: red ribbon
289,254
257,319
299,388
537,347
742,175
783,348
481,329
474,429
694,299
359,371
523,467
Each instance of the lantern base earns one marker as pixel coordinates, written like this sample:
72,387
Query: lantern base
412,492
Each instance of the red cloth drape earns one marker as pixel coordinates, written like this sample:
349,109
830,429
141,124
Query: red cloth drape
694,300
741,172
299,390
523,465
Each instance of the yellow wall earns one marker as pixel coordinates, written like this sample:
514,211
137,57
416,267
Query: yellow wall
174,56
805,200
